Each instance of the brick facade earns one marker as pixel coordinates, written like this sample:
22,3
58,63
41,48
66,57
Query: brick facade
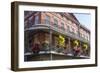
67,26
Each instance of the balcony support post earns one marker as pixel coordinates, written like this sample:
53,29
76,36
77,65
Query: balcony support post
69,43
50,43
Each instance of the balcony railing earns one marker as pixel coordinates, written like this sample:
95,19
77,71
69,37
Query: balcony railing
57,28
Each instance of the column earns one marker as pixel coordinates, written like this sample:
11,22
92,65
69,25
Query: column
50,44
81,47
79,30
69,44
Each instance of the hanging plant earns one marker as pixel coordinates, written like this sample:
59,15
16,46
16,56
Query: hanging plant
61,41
45,44
76,43
85,46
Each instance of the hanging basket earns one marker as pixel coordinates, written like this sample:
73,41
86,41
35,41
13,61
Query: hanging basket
85,46
76,43
61,41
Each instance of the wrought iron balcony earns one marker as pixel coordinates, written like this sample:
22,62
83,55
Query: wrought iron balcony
56,28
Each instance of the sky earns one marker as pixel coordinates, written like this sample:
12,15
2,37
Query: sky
84,19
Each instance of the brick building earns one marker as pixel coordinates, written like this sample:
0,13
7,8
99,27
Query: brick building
40,27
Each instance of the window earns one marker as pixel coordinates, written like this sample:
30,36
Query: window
26,23
30,21
62,26
73,30
69,22
76,32
87,38
81,35
55,23
68,28
47,19
27,13
36,19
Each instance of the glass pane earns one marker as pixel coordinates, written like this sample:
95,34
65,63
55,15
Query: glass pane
47,19
36,19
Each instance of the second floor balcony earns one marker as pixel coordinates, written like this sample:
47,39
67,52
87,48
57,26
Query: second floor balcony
56,28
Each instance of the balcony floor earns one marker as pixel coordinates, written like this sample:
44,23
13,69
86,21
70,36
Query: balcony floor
50,56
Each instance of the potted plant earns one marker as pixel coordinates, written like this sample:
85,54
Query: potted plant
85,49
45,45
61,43
85,46
75,43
